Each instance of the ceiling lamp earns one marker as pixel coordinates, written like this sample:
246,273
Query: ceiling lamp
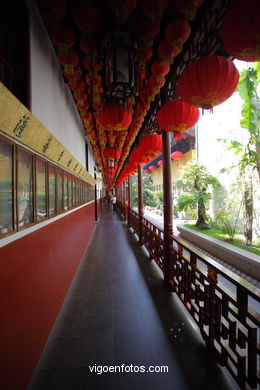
208,81
240,30
177,155
119,65
115,117
177,116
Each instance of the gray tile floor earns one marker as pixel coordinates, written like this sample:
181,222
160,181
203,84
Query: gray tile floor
116,312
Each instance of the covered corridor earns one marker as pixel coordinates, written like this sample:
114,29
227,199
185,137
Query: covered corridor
117,312
85,87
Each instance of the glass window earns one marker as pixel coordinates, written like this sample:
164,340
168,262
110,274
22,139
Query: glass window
6,187
65,190
52,191
25,188
74,192
41,198
59,190
69,191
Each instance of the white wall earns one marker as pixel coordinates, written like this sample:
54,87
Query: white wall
51,99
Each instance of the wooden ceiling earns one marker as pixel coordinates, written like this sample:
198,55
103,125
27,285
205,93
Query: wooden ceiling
204,39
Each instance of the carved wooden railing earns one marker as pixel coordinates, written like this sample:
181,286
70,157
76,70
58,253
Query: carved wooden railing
225,306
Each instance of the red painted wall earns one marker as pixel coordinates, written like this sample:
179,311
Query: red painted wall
36,272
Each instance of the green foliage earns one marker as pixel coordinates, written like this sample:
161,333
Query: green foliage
150,199
238,240
160,200
147,185
195,181
147,181
249,154
186,201
226,223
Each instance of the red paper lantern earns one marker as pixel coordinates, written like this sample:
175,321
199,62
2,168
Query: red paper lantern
177,33
87,44
156,82
87,18
148,31
160,163
240,30
176,115
80,95
112,153
55,9
77,85
154,9
208,81
115,117
151,145
177,134
160,67
111,171
76,73
121,9
62,35
188,7
68,59
152,168
145,54
177,155
146,171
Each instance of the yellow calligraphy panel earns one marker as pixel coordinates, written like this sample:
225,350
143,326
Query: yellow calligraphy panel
20,124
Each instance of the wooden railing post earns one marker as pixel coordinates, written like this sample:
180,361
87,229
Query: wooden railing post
129,199
124,200
95,190
140,203
167,197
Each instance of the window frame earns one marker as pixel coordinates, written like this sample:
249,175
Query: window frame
19,148
81,191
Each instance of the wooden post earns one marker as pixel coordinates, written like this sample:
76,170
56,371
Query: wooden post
140,203
96,208
124,200
129,199
167,197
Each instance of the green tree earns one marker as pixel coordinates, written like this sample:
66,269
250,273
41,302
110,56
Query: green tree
195,181
147,185
150,199
248,153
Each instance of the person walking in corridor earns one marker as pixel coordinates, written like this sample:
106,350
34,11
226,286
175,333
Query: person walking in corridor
114,202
